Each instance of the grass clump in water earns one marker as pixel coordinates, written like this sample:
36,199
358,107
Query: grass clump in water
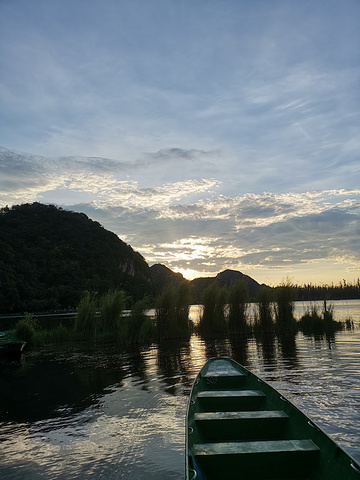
284,306
172,312
238,297
213,319
111,321
319,322
264,321
139,326
26,328
57,335
86,321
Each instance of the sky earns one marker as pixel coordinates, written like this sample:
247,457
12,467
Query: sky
206,134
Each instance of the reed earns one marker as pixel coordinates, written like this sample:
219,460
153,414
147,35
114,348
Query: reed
284,305
264,320
212,319
111,308
172,312
165,314
86,321
147,331
311,321
26,328
319,322
57,335
136,331
182,307
238,297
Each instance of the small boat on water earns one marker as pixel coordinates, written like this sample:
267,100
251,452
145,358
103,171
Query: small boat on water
239,427
11,346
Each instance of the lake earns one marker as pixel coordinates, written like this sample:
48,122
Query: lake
79,412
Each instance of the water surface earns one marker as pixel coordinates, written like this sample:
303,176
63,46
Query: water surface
101,412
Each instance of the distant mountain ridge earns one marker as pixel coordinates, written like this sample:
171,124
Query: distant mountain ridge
163,277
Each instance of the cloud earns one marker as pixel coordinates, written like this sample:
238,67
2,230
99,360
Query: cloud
172,134
169,155
268,232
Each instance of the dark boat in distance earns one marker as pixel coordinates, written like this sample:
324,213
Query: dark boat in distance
239,427
11,346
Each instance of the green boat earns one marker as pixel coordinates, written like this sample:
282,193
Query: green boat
10,346
239,427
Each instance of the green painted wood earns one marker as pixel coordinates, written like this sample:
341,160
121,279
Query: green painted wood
222,368
230,394
223,416
242,425
246,448
262,460
239,427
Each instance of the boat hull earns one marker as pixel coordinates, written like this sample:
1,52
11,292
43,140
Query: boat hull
10,346
239,427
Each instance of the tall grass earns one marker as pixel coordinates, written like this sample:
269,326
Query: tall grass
318,322
182,307
172,312
238,297
111,319
86,321
57,335
264,321
165,314
140,326
285,296
26,328
213,319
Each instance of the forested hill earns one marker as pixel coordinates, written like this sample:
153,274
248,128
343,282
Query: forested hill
49,256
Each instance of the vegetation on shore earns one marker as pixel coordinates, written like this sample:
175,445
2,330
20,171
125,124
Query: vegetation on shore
49,256
105,319
273,313
172,313
224,312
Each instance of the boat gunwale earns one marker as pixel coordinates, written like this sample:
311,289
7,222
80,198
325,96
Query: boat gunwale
354,464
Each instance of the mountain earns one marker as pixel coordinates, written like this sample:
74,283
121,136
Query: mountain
164,277
49,256
223,279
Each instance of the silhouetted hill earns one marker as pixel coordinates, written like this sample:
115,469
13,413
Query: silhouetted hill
49,256
223,279
164,277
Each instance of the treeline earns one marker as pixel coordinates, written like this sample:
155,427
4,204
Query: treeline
49,256
341,291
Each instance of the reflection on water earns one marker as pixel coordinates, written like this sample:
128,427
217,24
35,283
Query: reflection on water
108,413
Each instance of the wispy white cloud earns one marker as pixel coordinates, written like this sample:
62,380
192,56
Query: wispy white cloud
254,233
170,135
